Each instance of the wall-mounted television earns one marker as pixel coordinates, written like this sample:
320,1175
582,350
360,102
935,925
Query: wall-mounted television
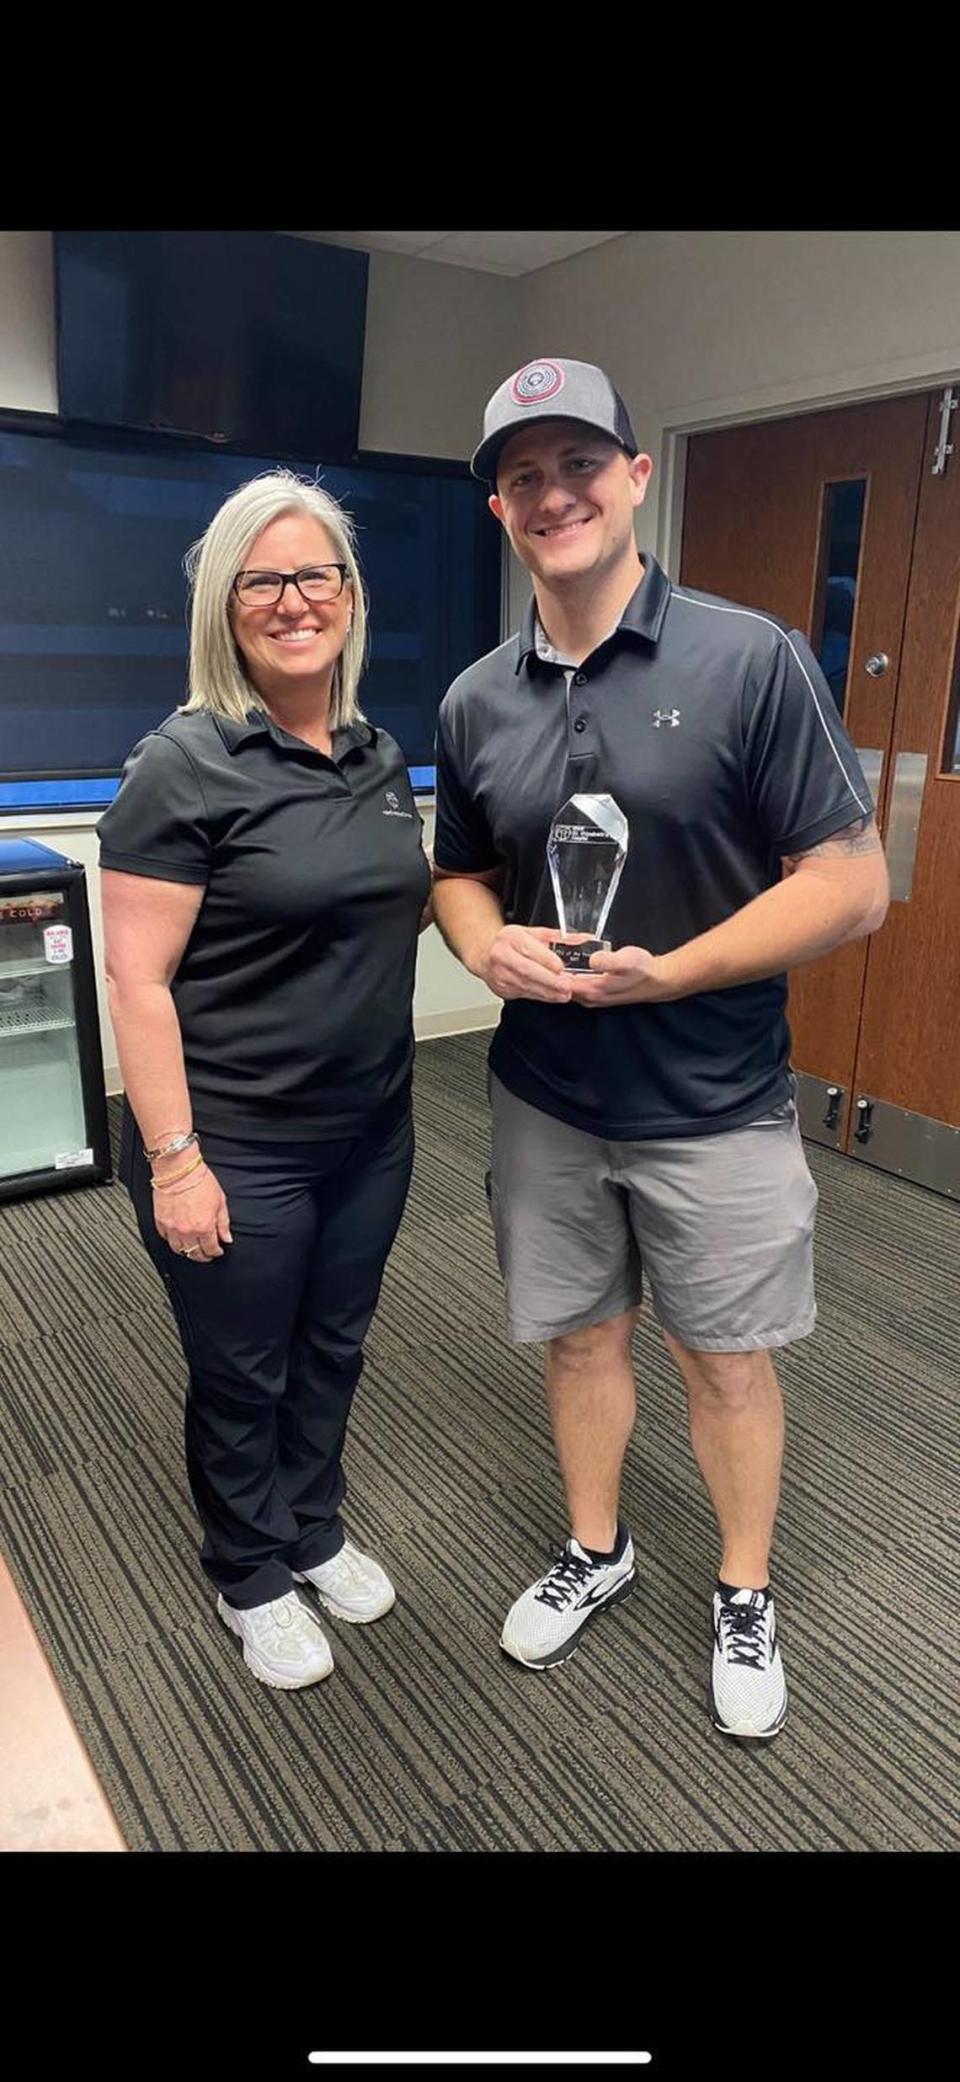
247,339
93,599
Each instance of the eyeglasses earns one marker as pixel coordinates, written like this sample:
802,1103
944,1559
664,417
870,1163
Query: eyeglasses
314,583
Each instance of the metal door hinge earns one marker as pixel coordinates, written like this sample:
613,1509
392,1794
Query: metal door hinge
944,448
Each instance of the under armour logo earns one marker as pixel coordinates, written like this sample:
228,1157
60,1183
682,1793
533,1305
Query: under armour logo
666,715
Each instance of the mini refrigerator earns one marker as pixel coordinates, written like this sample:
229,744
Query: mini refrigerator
53,1112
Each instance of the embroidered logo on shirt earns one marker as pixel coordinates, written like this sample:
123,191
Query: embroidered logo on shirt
393,805
666,715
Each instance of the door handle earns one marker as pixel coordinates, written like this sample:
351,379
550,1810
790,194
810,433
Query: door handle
903,822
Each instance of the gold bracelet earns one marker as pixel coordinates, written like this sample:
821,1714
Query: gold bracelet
159,1185
179,1190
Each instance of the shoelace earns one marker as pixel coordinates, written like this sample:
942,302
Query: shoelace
743,1635
567,1576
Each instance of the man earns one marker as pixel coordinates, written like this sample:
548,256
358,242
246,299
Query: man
642,1110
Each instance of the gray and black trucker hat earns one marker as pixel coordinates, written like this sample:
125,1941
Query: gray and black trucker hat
552,389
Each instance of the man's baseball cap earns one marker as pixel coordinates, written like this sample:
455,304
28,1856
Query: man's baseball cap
552,389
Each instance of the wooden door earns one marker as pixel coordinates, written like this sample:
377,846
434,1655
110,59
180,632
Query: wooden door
906,1113
759,517
756,520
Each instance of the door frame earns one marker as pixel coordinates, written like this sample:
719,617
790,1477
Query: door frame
785,401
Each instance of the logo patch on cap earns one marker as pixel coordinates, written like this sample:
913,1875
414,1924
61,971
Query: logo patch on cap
539,380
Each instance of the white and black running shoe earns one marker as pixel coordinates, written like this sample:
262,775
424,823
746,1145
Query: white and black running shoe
748,1693
547,1622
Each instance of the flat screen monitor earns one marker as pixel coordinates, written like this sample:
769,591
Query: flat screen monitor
248,339
93,598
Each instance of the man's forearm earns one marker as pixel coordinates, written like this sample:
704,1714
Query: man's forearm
469,915
801,918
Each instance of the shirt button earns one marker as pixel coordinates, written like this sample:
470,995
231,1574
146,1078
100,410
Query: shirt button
579,679
581,723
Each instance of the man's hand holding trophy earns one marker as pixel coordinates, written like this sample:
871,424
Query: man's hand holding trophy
586,850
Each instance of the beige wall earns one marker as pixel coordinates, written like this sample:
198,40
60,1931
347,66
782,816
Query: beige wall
28,361
703,319
433,335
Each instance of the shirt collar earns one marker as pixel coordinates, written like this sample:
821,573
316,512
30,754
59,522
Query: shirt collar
643,615
259,724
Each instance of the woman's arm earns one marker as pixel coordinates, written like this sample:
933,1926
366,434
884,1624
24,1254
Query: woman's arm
147,924
146,927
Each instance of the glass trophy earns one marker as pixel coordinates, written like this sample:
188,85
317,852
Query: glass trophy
586,850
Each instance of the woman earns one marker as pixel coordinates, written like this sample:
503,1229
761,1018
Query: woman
263,885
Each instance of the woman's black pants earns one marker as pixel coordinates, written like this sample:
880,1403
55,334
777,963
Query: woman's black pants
273,1335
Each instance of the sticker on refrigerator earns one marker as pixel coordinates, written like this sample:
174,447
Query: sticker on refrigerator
58,943
72,1158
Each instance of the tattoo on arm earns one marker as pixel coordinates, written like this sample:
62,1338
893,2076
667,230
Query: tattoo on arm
861,836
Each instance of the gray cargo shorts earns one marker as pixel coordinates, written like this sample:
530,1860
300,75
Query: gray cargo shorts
722,1225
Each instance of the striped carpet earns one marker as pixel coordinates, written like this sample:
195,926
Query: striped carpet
426,1738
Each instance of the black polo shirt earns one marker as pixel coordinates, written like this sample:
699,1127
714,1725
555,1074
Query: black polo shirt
294,991
714,729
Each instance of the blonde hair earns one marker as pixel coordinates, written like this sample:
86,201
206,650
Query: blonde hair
218,677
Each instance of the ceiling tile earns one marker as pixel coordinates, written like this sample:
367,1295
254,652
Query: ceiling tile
410,242
514,252
491,252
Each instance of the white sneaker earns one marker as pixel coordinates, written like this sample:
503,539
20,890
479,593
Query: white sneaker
351,1585
546,1623
282,1642
748,1692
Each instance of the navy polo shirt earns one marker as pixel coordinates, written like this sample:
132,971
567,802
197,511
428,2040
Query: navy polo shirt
714,729
294,991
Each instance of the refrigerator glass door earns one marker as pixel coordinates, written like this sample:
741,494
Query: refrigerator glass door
42,1118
